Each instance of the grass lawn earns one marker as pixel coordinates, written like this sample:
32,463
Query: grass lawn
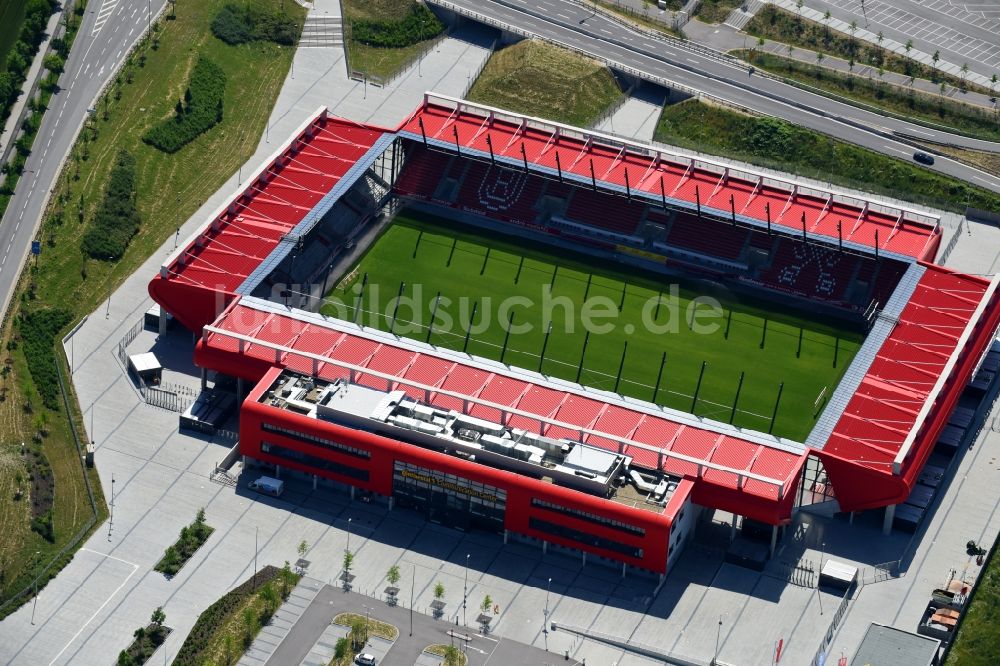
380,62
170,188
978,640
715,11
375,627
783,26
456,656
11,16
897,101
462,263
646,17
777,144
539,79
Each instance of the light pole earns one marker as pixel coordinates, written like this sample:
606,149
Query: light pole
465,590
413,578
718,636
545,614
368,611
348,549
111,517
34,604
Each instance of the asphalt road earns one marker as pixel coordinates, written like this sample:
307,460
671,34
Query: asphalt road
573,25
109,29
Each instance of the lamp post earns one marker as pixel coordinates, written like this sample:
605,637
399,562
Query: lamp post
348,549
545,615
111,516
413,579
718,636
465,589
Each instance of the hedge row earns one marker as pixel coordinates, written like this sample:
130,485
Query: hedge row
192,538
418,25
38,330
15,68
216,615
117,219
235,24
198,112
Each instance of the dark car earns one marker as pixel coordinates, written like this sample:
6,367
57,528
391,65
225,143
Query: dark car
923,157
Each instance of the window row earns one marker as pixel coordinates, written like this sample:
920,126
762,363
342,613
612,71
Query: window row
314,462
583,538
589,517
314,439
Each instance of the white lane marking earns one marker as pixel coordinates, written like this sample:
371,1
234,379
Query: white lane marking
103,14
897,150
135,567
983,180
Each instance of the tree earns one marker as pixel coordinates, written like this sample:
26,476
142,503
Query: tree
819,57
348,561
853,28
54,63
993,85
341,649
439,591
452,655
798,7
249,626
287,579
393,575
487,604
359,632
270,597
826,23
943,88
965,72
158,617
303,548
908,47
936,57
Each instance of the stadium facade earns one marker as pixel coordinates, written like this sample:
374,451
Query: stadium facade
478,444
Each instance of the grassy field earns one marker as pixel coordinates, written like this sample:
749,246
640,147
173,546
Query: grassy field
170,189
897,101
539,79
978,640
464,265
988,162
381,63
11,16
776,144
786,27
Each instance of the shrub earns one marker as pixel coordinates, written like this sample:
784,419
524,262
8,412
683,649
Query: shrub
43,526
200,110
116,220
418,25
236,24
38,332
192,537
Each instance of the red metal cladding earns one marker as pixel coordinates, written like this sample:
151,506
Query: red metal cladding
759,500
521,490
202,278
937,336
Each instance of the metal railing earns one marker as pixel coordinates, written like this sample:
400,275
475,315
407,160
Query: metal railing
821,656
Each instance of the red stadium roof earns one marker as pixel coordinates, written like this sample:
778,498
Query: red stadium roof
657,172
895,416
741,474
242,233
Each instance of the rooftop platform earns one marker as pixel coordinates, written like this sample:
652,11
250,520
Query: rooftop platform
744,471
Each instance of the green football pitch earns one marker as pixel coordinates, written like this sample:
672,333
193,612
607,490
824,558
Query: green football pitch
680,343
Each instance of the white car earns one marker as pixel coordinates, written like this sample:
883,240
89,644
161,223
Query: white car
364,659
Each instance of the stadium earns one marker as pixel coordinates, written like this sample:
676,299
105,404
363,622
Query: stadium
347,292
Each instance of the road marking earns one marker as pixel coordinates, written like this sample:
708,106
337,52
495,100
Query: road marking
983,180
690,60
897,150
103,14
135,567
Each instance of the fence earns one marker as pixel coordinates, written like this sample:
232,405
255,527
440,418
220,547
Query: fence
9,605
943,256
831,631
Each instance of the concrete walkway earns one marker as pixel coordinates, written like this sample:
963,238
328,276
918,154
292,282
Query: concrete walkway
726,38
283,621
637,117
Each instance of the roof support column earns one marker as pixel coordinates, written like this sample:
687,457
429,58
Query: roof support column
890,514
774,538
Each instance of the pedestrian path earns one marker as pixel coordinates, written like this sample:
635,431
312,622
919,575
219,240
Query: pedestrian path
281,623
740,16
320,30
322,651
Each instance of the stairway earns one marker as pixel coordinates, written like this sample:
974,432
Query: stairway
742,15
320,31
